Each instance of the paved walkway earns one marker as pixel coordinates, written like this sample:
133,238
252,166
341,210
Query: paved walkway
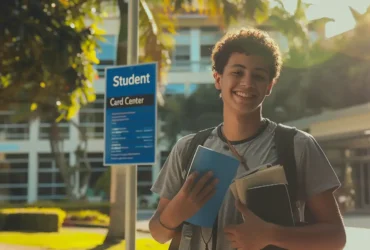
16,247
357,227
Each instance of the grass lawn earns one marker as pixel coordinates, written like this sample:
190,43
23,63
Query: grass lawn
67,239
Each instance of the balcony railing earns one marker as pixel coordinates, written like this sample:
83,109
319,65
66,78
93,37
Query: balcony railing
101,67
44,132
14,131
93,130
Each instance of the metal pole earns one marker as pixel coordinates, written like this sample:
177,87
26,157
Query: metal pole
131,171
133,32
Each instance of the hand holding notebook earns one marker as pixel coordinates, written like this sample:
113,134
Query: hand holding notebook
224,169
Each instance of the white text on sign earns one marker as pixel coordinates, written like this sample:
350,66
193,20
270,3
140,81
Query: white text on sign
126,101
132,80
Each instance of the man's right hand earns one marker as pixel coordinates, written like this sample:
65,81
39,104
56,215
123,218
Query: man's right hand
190,198
193,195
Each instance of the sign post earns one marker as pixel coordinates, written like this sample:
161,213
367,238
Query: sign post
130,128
130,117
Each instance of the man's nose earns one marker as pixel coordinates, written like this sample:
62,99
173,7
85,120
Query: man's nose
246,80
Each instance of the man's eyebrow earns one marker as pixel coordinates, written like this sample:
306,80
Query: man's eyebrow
239,66
242,66
262,69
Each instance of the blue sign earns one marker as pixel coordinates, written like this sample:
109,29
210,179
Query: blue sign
130,114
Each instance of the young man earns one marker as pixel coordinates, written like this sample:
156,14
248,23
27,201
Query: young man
246,65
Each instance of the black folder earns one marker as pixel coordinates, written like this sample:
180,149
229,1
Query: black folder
272,204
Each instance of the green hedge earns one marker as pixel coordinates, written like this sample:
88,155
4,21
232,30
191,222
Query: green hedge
30,222
103,207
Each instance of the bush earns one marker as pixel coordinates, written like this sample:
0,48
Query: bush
87,218
28,222
32,219
68,206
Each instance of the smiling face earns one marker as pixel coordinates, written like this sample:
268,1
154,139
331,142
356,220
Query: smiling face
244,83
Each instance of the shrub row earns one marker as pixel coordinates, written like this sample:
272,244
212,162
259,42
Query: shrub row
31,220
102,207
87,218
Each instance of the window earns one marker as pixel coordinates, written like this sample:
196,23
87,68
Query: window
143,190
13,130
50,182
206,51
174,89
45,126
210,29
164,156
144,173
145,181
106,54
181,58
13,177
92,118
182,53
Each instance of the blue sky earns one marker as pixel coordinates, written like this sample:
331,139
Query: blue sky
336,9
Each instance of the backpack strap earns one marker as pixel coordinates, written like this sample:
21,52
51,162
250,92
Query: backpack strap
198,139
284,142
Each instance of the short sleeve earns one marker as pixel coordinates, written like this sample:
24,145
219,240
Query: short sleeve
169,180
316,173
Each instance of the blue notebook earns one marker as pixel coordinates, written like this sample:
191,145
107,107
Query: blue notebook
224,168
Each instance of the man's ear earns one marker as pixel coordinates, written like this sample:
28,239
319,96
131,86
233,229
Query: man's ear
269,87
217,78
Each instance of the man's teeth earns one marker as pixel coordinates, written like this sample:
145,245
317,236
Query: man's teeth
242,94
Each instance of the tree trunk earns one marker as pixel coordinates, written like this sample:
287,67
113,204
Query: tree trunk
116,230
68,172
83,165
60,161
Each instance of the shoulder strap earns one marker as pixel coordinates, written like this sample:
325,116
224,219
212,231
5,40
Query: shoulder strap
198,139
284,141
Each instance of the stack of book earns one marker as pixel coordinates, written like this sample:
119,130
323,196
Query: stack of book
265,192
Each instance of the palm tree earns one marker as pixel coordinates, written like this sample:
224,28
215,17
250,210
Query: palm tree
289,99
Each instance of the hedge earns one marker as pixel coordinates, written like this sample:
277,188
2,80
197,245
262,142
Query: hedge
86,218
68,206
31,219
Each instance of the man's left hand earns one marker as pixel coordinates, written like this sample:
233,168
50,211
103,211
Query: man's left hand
253,234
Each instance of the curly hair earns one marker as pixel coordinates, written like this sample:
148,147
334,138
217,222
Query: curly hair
249,42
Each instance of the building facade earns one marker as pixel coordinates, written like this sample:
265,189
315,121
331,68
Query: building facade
344,135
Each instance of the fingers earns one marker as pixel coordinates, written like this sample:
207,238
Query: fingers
202,181
189,182
233,241
200,190
208,191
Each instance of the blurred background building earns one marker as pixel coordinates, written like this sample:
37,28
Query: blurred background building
27,169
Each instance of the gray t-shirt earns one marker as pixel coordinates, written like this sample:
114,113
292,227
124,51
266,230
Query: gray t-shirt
315,175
